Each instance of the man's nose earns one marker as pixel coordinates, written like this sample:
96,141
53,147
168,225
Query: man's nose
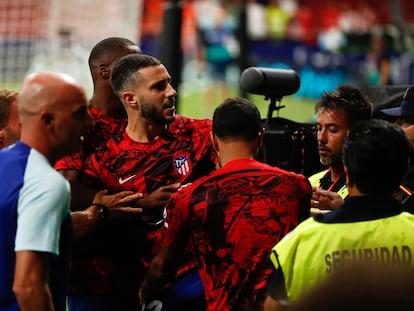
321,136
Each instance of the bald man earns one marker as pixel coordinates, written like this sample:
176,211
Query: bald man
35,223
9,118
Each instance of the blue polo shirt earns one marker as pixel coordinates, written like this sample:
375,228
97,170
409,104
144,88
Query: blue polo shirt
34,216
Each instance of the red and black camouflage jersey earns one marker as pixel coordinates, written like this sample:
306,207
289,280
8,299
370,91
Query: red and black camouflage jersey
231,220
94,140
182,154
121,250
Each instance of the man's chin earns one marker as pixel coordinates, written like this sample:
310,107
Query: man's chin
170,119
326,162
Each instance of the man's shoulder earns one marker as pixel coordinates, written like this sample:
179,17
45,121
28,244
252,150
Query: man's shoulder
291,177
315,178
42,173
305,230
103,125
291,174
14,153
318,174
184,123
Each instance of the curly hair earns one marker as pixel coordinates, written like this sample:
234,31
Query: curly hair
350,99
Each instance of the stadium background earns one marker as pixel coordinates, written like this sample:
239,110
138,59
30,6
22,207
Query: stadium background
58,35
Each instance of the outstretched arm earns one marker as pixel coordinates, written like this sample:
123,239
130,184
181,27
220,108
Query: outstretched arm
158,198
104,207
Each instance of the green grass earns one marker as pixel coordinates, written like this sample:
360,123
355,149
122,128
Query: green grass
201,104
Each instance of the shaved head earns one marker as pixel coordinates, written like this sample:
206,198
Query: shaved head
44,91
53,113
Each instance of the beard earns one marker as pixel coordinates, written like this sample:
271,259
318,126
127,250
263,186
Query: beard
331,160
150,112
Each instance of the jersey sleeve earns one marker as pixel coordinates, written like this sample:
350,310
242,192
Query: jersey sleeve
92,176
42,207
305,200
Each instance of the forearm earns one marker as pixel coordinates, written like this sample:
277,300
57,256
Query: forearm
154,282
85,222
159,275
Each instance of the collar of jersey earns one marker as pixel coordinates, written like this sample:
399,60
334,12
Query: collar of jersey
362,208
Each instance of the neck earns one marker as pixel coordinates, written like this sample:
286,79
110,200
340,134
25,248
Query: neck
41,145
140,130
337,171
353,191
108,104
235,151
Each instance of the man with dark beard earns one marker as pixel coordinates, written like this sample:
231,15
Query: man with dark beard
337,112
370,231
154,155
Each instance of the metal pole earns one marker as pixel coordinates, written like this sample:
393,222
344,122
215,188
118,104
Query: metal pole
243,42
171,52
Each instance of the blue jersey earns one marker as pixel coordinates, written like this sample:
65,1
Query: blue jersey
34,216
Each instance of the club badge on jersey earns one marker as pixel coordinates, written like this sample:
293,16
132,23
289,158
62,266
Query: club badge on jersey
182,165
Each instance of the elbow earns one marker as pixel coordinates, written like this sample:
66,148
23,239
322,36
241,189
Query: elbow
23,292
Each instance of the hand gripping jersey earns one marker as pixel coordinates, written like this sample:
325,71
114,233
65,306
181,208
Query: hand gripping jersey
230,220
365,230
120,251
34,216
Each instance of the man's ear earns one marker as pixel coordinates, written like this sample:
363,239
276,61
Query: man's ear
2,137
104,71
47,118
129,99
260,138
213,139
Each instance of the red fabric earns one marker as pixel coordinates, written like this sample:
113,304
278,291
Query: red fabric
231,220
95,139
118,254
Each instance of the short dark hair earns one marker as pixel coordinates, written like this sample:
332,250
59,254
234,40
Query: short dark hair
109,50
6,99
125,72
376,155
356,105
237,118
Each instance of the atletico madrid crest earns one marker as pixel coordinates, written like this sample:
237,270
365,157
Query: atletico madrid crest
182,165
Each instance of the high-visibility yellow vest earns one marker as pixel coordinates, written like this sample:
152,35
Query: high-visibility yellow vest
313,250
314,180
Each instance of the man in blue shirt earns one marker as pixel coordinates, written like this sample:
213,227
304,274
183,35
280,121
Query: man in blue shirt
35,223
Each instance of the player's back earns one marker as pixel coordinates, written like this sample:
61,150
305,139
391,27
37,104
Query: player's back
239,212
